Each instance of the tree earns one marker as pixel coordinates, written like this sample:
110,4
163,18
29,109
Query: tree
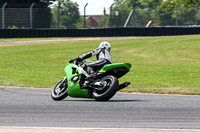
120,13
69,14
165,12
185,15
145,10
80,23
142,12
187,12
26,3
105,21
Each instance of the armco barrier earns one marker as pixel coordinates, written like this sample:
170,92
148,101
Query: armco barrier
101,32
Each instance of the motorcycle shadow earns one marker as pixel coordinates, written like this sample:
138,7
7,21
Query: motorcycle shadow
126,101
92,100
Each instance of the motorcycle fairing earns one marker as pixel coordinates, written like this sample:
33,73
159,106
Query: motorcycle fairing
74,89
117,69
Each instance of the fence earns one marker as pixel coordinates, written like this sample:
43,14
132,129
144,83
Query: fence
101,32
137,17
175,17
11,18
23,18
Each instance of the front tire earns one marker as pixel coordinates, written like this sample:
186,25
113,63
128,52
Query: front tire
59,92
111,87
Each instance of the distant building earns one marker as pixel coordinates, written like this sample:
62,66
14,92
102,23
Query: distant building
94,20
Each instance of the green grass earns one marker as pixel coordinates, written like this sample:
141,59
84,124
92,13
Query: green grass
27,39
169,65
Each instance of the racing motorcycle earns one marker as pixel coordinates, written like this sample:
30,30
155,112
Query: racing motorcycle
102,87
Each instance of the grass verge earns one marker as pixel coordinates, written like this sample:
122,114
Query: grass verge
169,65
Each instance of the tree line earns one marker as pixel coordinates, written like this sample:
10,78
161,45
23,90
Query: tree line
161,12
26,3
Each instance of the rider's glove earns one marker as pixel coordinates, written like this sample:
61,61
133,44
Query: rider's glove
78,59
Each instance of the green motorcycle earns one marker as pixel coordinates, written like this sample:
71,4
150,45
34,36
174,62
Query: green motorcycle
102,87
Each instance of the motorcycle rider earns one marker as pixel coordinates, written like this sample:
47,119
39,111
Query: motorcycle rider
103,58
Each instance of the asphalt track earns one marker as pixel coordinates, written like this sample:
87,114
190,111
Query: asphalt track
33,107
28,110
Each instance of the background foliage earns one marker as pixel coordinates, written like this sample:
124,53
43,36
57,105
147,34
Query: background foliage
161,12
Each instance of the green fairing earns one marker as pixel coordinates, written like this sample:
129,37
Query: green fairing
113,66
74,89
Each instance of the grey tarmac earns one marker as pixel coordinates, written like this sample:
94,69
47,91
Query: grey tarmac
33,107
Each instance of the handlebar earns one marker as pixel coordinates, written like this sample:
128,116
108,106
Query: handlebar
74,61
80,63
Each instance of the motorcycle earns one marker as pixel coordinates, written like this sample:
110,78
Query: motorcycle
102,87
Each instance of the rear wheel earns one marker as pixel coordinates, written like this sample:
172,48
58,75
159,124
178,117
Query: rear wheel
111,85
59,92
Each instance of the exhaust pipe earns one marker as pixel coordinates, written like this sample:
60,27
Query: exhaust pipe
122,86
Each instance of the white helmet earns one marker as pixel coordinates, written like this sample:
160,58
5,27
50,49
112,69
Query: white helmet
105,45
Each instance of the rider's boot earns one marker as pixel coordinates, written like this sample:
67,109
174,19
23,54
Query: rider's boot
93,75
91,72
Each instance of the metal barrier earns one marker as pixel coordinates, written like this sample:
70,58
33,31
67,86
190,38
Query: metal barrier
101,32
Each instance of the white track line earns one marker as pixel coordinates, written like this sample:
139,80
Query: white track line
78,128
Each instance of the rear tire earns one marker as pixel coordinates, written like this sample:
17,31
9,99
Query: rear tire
59,92
108,91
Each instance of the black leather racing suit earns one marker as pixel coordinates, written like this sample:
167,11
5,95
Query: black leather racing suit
103,58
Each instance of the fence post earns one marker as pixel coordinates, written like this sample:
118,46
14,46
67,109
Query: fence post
3,15
156,13
85,15
128,18
196,12
134,21
58,15
31,15
177,14
111,15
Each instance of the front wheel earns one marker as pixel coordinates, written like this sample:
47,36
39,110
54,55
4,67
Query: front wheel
59,92
111,85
